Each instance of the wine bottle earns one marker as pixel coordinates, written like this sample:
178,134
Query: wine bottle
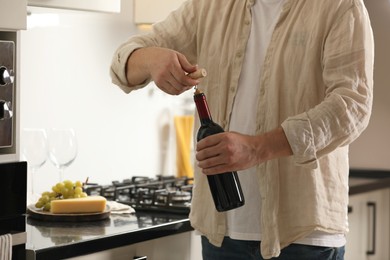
225,187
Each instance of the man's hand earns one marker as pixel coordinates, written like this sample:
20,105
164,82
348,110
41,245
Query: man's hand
167,68
231,151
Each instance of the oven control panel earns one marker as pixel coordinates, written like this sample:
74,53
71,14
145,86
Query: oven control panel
7,55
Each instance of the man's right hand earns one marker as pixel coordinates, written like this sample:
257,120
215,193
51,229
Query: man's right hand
167,68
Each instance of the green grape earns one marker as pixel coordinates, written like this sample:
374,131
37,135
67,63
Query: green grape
78,184
45,198
78,190
55,189
71,193
64,191
39,204
61,190
68,184
46,193
47,206
60,185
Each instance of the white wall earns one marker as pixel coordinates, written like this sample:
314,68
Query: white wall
65,83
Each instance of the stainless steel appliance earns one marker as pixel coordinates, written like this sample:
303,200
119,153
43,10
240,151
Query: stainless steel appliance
161,194
7,57
13,189
13,174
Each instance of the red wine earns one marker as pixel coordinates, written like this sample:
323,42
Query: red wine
225,187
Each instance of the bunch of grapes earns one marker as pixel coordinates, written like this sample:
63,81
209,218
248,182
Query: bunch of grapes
62,190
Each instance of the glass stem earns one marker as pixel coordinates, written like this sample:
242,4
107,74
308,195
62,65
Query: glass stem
31,182
32,176
61,172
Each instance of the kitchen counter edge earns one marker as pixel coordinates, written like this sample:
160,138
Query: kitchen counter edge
366,180
91,246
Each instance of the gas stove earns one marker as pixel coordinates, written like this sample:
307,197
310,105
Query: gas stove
168,194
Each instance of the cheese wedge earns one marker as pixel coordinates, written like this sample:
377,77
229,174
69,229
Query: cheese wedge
92,204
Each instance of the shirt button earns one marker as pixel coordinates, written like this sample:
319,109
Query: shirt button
232,89
239,54
247,22
262,91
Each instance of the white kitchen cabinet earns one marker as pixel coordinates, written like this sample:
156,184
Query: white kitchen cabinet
144,14
183,246
13,15
107,6
369,236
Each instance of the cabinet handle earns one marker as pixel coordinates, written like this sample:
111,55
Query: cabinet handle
373,239
140,258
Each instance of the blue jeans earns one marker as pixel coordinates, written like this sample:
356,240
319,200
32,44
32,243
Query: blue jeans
250,250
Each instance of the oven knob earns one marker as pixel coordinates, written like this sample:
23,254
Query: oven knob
5,110
5,76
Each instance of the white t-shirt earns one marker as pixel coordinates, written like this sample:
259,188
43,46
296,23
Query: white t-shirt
244,223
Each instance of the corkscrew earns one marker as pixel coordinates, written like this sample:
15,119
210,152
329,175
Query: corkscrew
200,73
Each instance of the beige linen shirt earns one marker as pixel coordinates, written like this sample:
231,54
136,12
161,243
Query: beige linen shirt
317,83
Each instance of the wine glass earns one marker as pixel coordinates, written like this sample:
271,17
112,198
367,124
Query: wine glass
62,148
34,150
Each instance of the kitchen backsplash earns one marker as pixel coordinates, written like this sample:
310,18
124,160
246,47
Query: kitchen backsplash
65,83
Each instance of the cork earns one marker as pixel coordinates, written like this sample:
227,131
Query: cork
200,73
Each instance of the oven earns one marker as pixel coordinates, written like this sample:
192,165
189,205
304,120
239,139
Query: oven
13,190
13,173
7,54
8,97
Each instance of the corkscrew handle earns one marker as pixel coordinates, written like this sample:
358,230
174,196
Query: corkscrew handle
200,73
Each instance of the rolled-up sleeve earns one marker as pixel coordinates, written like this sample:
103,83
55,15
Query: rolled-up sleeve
348,57
118,67
164,34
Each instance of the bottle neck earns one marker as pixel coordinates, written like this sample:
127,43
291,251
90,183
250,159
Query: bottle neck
202,108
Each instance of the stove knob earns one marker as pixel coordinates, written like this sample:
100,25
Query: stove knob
5,110
6,76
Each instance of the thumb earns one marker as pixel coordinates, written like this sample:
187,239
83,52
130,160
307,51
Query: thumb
186,65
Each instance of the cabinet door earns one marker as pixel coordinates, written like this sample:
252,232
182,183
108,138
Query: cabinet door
143,14
106,6
13,15
174,247
369,219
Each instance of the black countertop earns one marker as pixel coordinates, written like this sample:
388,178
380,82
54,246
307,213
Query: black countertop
366,180
58,240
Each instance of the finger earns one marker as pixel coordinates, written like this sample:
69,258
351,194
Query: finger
188,68
185,64
208,141
176,86
206,154
209,162
167,83
215,170
183,80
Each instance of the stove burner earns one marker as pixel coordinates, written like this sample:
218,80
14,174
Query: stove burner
161,194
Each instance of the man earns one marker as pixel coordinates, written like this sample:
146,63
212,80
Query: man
291,82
